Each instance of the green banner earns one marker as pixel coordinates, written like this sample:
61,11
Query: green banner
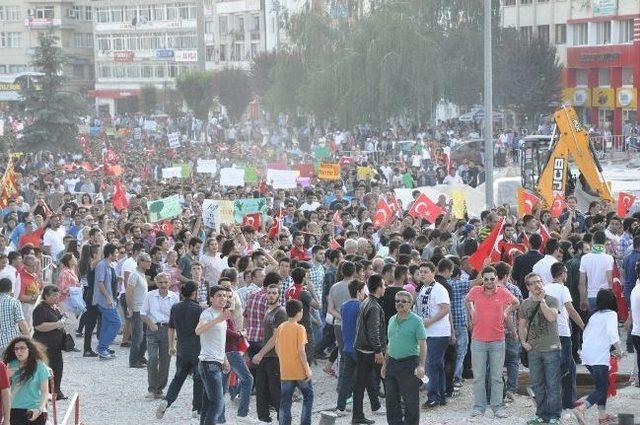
162,209
186,169
407,180
321,152
243,207
250,175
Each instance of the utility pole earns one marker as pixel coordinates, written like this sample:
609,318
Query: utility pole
488,107
200,35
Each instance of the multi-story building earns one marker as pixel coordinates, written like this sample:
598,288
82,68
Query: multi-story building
598,41
70,20
145,42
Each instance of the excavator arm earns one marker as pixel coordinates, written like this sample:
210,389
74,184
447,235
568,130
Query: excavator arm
572,140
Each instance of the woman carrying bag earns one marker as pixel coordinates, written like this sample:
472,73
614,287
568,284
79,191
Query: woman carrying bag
48,322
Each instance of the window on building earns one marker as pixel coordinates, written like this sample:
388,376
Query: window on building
627,76
44,12
224,54
130,13
147,71
209,27
526,1
14,69
254,50
509,2
104,42
104,71
255,24
10,40
102,14
3,69
604,77
526,32
184,11
88,13
603,32
240,25
118,42
172,12
144,14
133,71
158,12
2,15
561,33
543,33
76,13
78,71
160,71
582,78
580,34
223,25
626,31
119,70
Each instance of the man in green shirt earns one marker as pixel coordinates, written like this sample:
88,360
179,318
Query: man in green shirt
403,368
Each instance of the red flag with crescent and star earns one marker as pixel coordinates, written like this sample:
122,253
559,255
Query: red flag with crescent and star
253,220
424,208
625,201
488,247
120,201
526,201
276,226
383,215
558,206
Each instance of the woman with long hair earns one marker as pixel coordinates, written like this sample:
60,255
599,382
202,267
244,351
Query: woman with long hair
88,260
48,323
29,376
599,335
67,277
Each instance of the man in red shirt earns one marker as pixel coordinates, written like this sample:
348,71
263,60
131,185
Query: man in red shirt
5,395
298,252
488,305
30,286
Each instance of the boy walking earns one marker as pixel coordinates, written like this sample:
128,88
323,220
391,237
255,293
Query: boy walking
291,338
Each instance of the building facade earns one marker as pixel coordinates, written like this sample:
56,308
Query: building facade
146,42
70,20
598,42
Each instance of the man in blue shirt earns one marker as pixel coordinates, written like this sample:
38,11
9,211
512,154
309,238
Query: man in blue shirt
349,314
629,278
105,298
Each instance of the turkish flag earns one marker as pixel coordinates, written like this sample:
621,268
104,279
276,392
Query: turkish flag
346,160
167,227
545,235
253,220
394,204
120,201
262,186
625,201
424,208
558,206
383,213
526,201
488,247
274,231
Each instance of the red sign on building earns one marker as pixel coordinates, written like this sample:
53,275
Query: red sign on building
122,55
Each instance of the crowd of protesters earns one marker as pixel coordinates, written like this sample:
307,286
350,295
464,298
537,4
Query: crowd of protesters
392,309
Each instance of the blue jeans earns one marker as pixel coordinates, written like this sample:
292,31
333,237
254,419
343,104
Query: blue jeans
213,394
512,361
592,304
245,382
345,379
568,373
545,371
286,394
436,347
487,355
462,345
600,374
109,328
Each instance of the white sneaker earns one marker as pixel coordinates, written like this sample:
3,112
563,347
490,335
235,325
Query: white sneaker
162,407
150,396
339,413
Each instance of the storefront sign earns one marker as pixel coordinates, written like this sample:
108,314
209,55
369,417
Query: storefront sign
9,87
599,57
603,97
164,54
576,96
122,55
604,7
626,98
186,56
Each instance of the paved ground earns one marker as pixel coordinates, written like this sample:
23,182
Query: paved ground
113,394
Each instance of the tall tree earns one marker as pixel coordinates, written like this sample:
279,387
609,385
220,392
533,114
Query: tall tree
260,69
232,87
52,113
196,89
527,77
148,98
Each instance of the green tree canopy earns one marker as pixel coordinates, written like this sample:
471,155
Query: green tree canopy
52,112
196,90
148,98
232,87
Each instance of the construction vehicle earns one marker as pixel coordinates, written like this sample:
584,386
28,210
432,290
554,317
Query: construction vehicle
545,168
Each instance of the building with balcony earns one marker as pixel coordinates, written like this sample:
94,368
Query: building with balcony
70,20
146,42
598,42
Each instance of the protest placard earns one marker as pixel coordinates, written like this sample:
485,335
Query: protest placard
207,166
243,207
174,140
282,179
232,177
329,171
164,208
217,212
170,172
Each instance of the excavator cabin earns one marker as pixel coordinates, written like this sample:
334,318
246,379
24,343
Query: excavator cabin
545,162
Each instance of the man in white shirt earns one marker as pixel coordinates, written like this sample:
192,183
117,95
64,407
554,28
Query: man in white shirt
54,237
155,313
552,255
135,294
9,268
433,305
311,203
560,292
596,272
255,284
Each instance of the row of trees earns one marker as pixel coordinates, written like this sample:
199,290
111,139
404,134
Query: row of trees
399,60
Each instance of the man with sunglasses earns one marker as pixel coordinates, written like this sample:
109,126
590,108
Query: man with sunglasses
488,306
403,368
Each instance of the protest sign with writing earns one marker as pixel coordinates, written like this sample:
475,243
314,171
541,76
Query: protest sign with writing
170,172
282,179
174,140
329,171
185,169
217,212
232,177
164,208
207,166
364,173
249,206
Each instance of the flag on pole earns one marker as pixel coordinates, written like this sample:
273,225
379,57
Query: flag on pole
526,201
383,213
487,248
424,208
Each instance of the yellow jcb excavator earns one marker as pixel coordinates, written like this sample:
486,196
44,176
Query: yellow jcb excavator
544,162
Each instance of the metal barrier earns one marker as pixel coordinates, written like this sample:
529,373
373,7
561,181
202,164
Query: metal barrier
72,411
612,144
47,270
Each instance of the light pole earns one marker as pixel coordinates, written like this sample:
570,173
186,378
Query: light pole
488,107
200,35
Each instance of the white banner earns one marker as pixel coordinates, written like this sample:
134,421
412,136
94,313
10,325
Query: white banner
174,140
170,172
207,166
232,177
186,56
282,179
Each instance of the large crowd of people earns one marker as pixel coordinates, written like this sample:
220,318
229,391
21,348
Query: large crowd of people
393,307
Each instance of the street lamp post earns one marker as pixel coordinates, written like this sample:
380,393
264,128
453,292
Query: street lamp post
488,106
